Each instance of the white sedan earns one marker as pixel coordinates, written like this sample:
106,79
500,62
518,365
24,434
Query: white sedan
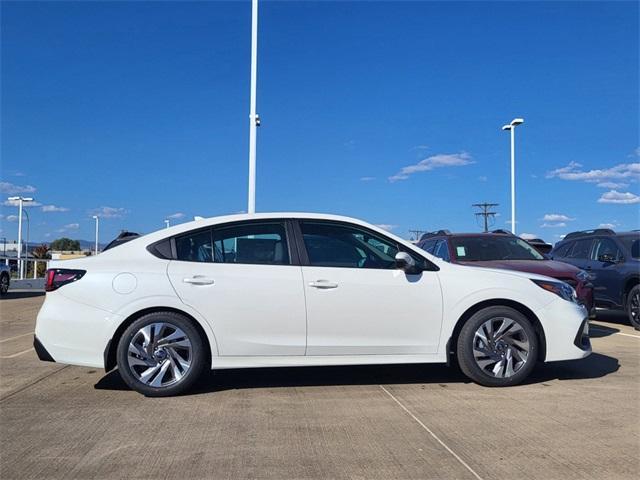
297,289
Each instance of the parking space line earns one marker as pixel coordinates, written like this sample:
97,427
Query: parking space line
18,354
17,336
419,422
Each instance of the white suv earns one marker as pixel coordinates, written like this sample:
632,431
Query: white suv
297,289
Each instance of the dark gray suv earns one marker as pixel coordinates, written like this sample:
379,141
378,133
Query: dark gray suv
613,260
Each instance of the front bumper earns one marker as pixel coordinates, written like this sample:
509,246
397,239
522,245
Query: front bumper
566,330
42,352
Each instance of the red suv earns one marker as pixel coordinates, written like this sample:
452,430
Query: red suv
504,250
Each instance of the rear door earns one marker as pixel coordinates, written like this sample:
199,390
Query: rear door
580,254
244,279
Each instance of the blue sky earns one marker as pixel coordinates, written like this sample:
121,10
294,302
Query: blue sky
389,112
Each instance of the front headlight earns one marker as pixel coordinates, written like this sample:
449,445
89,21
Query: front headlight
584,276
563,290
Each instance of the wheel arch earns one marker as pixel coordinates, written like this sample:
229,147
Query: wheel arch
497,302
628,285
110,357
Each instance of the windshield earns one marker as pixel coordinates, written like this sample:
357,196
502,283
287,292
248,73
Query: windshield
493,247
632,242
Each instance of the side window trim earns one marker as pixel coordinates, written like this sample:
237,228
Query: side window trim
290,234
304,257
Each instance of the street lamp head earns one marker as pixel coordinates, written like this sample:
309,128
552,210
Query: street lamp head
506,127
95,217
13,199
517,121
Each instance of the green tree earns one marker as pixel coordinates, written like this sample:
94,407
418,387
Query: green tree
65,244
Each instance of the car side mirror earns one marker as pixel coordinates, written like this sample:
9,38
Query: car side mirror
407,263
607,258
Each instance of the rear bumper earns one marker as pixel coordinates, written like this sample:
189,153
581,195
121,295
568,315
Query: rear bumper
71,332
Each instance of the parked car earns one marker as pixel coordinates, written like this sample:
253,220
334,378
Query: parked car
5,278
291,289
613,260
502,249
540,245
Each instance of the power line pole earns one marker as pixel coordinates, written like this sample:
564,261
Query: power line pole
485,213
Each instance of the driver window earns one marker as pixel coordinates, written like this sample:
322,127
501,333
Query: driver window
606,246
338,245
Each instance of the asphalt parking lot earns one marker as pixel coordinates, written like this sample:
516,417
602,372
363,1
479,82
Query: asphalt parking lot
572,420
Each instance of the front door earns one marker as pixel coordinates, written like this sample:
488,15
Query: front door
241,278
358,303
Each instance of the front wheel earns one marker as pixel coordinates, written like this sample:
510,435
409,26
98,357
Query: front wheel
4,283
497,347
160,354
633,307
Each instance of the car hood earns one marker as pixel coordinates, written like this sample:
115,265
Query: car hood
548,268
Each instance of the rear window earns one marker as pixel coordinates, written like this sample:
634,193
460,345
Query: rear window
632,242
581,249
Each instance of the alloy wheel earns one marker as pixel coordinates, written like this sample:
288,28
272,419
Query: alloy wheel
159,354
501,347
634,308
4,284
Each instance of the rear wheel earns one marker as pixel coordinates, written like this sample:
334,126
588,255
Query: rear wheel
633,307
497,347
4,283
160,354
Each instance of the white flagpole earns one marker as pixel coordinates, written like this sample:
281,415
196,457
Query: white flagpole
253,117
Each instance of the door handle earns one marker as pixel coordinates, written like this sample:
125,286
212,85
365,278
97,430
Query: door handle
198,280
323,284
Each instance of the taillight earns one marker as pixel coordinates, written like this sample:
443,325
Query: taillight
58,277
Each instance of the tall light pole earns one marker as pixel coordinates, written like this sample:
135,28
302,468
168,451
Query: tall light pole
26,250
20,201
254,119
167,223
512,128
97,219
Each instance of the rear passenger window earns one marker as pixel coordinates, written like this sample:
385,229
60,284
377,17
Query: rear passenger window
581,249
562,250
252,243
195,247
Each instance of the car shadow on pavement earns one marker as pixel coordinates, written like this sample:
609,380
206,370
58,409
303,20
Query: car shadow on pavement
599,331
594,366
13,295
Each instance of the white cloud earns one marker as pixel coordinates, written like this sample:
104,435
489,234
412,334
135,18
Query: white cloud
53,208
614,196
433,162
175,216
608,225
11,189
69,227
483,178
11,218
613,185
556,217
635,153
553,225
573,171
367,179
386,226
108,212
528,236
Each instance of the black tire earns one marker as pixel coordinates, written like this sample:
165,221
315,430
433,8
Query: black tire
633,307
197,355
4,283
465,347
